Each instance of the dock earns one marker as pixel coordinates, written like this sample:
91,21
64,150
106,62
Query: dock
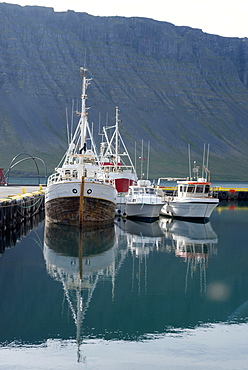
230,193
19,203
21,209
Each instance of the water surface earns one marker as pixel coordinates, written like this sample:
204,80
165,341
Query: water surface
170,294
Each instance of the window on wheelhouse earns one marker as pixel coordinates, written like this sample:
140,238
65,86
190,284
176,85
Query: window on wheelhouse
191,189
150,191
200,189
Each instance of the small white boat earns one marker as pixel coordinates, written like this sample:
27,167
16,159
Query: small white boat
192,201
142,201
77,193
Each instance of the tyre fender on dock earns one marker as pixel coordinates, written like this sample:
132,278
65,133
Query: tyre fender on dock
223,195
243,195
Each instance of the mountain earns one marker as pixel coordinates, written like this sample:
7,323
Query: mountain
174,86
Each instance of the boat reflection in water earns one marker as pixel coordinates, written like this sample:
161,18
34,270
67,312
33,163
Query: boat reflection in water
194,242
135,258
78,259
142,237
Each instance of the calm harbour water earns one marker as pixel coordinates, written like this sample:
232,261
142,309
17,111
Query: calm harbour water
166,295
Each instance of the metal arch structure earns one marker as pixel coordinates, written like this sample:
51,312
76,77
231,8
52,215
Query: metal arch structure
29,156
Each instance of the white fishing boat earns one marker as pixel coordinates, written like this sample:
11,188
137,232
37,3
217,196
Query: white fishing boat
115,159
192,200
77,193
142,201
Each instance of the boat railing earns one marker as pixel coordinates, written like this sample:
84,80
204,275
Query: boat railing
118,168
55,177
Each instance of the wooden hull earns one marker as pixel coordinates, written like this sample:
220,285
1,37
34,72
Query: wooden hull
66,211
62,204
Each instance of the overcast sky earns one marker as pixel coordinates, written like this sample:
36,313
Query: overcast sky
221,17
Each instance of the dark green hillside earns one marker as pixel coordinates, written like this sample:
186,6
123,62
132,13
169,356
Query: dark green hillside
174,85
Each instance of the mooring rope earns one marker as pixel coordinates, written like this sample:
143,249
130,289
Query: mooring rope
35,212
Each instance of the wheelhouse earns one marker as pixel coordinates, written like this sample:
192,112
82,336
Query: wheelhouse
141,191
193,189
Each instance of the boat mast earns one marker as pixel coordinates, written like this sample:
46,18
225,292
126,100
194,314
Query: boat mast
83,111
116,136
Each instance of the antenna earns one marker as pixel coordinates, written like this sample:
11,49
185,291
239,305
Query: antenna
72,114
67,126
92,131
203,159
107,119
99,124
207,160
207,155
99,127
85,54
189,162
148,159
141,161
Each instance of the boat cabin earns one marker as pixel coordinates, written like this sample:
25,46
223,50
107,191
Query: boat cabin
141,191
193,189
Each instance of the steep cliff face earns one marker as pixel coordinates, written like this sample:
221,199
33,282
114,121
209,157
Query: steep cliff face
174,85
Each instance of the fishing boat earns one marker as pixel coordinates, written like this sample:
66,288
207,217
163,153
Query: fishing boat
77,193
115,159
142,201
192,200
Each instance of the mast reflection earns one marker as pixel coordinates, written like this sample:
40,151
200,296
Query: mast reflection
78,259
